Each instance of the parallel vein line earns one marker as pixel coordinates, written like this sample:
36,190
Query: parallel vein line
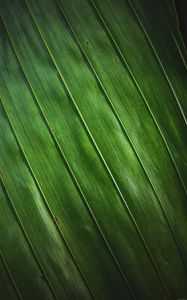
116,47
178,30
73,177
10,276
102,159
158,59
125,131
26,236
48,209
179,50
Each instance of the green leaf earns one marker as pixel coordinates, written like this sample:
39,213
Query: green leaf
93,146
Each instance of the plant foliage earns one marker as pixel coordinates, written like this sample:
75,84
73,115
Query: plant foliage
93,150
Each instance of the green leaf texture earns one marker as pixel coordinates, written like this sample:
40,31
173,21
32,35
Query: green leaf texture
93,151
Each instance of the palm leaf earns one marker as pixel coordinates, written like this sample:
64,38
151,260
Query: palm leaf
93,150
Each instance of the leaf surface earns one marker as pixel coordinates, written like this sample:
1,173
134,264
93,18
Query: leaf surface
93,148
